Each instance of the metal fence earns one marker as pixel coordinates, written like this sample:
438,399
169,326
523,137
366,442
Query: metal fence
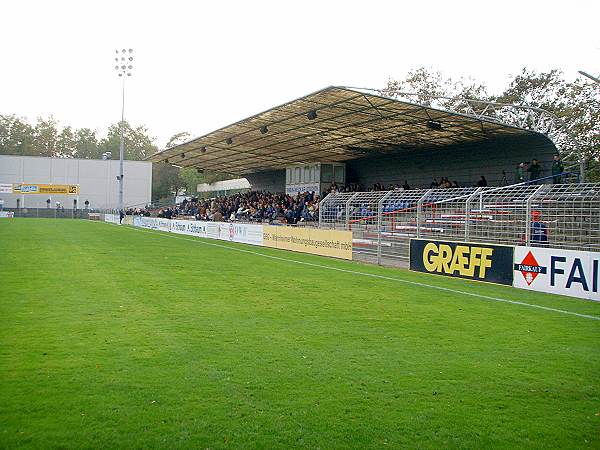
51,213
556,215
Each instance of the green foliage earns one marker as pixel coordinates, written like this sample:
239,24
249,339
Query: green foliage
165,182
577,103
194,346
16,136
47,138
138,144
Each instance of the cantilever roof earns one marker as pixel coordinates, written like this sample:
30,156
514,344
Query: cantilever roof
349,124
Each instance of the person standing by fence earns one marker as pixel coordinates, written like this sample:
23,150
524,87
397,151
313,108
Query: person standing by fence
557,169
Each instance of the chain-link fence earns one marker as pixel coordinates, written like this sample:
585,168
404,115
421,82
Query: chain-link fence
555,215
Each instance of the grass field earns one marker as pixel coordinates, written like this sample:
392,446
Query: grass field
115,337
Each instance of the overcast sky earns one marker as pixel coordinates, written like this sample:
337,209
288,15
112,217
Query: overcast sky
203,65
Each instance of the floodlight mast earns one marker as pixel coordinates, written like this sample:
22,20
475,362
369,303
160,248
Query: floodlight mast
123,67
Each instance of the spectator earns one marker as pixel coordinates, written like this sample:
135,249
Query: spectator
520,173
535,170
557,169
482,182
406,186
539,230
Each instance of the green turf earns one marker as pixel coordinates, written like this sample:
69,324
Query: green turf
113,337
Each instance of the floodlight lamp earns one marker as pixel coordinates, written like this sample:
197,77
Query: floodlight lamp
131,58
130,67
123,50
130,50
120,74
433,125
116,67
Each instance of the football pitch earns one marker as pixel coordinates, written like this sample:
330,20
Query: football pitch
117,337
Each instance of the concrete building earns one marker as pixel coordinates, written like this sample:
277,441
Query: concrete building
97,181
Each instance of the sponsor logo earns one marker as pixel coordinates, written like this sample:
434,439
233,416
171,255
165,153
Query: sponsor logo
468,261
530,268
480,262
26,189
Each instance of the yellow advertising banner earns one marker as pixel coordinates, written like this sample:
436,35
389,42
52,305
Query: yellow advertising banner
337,244
48,189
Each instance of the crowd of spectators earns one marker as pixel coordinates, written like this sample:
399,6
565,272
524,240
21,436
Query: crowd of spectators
357,187
249,207
138,212
304,207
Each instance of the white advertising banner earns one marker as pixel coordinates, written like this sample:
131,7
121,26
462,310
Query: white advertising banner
7,214
241,232
233,232
557,271
6,188
294,189
112,218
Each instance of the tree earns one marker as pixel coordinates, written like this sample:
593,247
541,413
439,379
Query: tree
577,104
165,181
424,85
178,138
16,136
138,145
45,137
86,144
66,145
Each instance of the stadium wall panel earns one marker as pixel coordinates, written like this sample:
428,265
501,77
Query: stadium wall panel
465,164
97,180
269,181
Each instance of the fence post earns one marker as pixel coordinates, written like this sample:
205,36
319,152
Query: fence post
321,203
528,214
348,211
468,211
379,224
419,210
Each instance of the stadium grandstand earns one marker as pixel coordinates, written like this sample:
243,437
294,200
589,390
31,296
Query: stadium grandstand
390,170
345,136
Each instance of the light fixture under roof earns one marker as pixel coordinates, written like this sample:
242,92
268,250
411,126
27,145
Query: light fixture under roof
434,125
203,149
264,129
312,115
229,141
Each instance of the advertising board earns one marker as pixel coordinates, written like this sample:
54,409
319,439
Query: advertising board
337,244
557,271
479,262
7,214
49,189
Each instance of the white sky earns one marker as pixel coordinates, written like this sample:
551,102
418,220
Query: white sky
202,65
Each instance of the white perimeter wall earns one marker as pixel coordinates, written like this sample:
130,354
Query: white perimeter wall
97,180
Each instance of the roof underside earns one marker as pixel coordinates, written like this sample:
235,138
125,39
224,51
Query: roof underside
349,124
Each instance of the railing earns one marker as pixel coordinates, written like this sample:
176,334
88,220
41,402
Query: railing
52,213
382,223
